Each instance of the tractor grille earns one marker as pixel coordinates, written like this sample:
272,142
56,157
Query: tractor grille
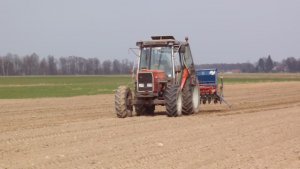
145,82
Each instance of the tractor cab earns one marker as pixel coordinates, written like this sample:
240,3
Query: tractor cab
162,59
157,58
157,55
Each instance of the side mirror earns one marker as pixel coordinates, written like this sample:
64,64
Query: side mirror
177,69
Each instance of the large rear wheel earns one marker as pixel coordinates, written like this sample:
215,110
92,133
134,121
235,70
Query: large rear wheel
187,100
173,98
123,97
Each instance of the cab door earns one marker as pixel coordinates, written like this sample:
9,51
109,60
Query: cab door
187,61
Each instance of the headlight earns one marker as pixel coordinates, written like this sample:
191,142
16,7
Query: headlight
141,85
149,84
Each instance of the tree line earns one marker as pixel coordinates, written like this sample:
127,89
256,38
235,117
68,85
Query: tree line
33,64
263,65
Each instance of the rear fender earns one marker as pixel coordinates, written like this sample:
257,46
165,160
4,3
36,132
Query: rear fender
185,76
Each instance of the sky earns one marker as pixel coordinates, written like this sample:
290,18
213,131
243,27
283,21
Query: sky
219,31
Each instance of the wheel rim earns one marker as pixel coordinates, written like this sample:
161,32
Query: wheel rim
179,104
195,97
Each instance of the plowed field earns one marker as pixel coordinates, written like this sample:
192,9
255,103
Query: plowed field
262,130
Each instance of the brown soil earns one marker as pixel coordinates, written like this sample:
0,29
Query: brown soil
262,130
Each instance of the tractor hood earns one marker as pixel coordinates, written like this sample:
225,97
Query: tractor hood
149,80
157,74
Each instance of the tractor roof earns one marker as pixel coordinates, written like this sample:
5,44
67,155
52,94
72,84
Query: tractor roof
160,41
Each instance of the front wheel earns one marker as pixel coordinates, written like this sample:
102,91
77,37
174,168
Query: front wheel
123,96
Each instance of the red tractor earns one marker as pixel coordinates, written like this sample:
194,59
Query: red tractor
165,75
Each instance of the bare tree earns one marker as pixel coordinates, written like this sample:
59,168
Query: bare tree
52,65
92,65
116,67
63,66
106,65
291,64
43,67
8,64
